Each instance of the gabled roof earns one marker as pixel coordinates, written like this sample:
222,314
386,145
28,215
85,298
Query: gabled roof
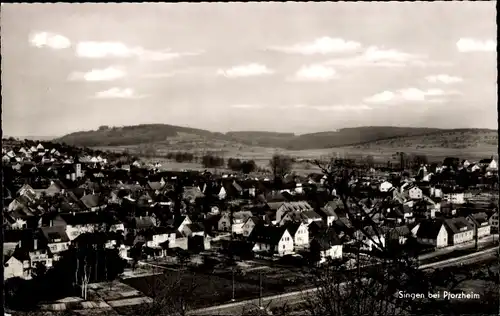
270,235
486,161
429,229
479,218
86,218
458,224
142,222
156,185
196,227
177,221
292,227
54,234
91,200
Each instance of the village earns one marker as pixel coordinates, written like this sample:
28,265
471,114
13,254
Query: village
58,198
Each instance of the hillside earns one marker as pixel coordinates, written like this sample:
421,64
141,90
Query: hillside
131,135
176,137
452,139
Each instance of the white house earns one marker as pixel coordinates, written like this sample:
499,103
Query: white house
415,193
459,230
455,197
236,227
431,232
493,221
250,223
480,222
299,233
14,268
276,240
385,186
328,245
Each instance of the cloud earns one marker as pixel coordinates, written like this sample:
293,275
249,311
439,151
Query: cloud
51,40
247,106
314,73
381,97
408,94
379,57
446,79
466,45
249,70
118,93
323,45
342,108
107,74
117,49
165,74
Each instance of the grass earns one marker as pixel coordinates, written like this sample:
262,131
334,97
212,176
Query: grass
210,289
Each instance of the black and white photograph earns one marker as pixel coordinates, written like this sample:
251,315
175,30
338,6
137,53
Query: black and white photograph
250,158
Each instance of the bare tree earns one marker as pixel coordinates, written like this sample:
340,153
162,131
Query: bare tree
280,165
172,297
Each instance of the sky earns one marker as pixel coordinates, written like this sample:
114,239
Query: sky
284,67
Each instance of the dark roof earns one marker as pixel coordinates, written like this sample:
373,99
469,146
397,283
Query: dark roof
85,218
267,234
91,200
479,218
429,229
456,225
142,222
488,161
176,221
54,233
196,227
292,227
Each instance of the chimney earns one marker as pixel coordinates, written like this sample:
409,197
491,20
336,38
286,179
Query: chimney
35,244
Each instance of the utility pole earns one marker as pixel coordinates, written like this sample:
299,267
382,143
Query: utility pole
475,236
232,270
260,290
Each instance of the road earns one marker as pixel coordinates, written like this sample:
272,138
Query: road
294,298
483,242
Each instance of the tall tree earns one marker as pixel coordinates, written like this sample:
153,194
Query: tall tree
280,165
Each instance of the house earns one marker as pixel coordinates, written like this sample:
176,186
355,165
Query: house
239,219
141,223
372,237
415,193
385,186
193,229
459,230
300,234
230,190
160,237
286,207
328,214
178,222
249,225
454,196
191,194
55,238
493,221
27,192
328,245
488,164
480,223
92,202
86,222
271,239
14,267
431,232
398,235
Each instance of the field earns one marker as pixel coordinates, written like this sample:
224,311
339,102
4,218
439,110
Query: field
209,289
261,155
